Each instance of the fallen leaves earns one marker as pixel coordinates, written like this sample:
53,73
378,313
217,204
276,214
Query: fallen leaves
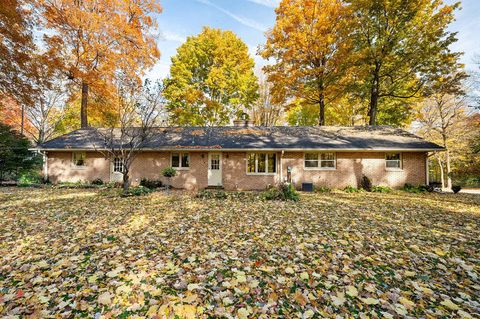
73,253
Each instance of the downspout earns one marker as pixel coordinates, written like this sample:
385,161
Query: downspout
281,166
45,166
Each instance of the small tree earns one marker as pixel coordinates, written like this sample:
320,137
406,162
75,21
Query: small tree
139,111
169,172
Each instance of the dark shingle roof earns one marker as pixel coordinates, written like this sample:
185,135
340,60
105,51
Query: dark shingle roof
277,137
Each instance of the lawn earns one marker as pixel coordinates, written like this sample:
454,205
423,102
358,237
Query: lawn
79,253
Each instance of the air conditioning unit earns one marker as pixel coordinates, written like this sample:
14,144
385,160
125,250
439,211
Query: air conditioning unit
307,187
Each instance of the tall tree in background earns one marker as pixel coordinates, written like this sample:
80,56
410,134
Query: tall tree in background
400,45
16,52
211,79
94,39
264,111
310,46
442,119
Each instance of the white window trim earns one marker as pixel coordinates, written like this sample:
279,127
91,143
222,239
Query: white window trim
113,163
266,164
180,167
394,169
75,166
319,167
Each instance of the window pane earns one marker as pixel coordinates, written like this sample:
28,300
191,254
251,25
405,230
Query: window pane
393,164
311,156
215,162
327,156
175,160
79,158
251,163
392,156
118,165
262,158
327,164
311,164
272,163
185,160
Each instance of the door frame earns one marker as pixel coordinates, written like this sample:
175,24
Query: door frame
220,170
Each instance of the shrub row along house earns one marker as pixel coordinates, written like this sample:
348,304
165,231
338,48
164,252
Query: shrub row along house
245,157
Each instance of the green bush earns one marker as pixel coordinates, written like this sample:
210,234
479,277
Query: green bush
416,189
29,178
136,191
381,189
322,189
97,181
151,183
456,188
284,191
169,172
366,183
351,189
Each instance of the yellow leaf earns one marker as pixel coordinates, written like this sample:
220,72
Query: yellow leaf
449,304
352,291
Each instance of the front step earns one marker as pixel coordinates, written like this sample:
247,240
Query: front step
214,187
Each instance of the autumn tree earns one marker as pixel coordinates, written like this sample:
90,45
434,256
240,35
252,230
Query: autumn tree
211,79
400,46
442,120
264,111
16,51
310,47
92,40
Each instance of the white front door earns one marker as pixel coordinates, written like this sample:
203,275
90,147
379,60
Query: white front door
214,169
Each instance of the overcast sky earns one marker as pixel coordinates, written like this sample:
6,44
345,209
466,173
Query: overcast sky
249,19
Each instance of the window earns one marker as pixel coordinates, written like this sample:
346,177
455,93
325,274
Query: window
118,165
180,160
79,158
262,163
319,161
393,160
215,162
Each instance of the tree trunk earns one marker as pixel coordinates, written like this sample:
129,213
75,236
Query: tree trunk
83,109
374,92
449,177
442,178
126,181
321,111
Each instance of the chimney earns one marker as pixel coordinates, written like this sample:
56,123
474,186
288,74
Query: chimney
243,121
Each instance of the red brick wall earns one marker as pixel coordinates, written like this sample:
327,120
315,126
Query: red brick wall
350,166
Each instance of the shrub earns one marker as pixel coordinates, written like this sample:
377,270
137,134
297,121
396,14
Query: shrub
366,183
381,189
78,184
284,191
208,194
322,189
169,172
456,188
29,178
151,183
415,189
97,181
136,191
351,189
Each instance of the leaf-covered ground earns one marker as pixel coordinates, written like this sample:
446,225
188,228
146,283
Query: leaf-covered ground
76,253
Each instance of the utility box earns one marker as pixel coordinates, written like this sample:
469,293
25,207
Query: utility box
307,187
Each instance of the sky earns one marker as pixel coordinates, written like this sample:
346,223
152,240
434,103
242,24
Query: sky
250,19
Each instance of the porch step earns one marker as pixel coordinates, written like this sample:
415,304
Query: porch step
214,187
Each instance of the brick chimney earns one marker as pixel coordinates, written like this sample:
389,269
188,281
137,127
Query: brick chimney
243,121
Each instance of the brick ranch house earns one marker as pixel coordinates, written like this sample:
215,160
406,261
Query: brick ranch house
245,157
